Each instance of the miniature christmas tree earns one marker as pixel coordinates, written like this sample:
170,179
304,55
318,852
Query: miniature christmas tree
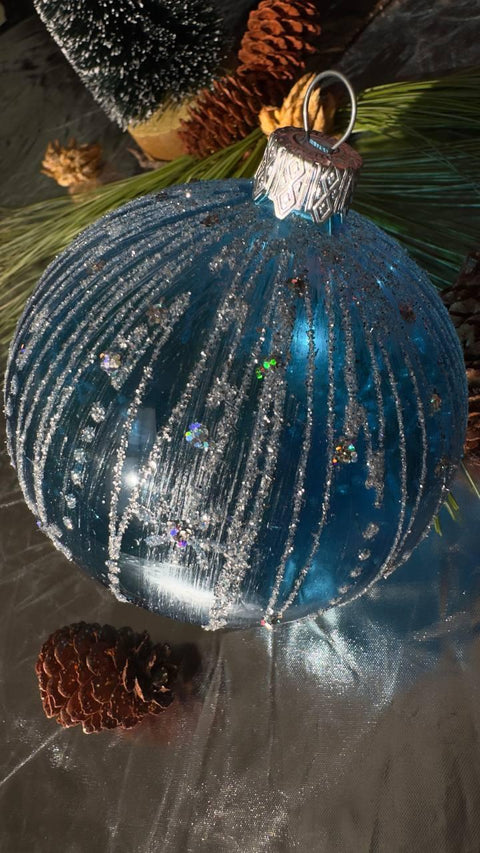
134,55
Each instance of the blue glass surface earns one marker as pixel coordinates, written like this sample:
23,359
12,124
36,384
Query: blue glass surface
226,417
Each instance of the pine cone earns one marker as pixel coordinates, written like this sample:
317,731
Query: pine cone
228,112
463,303
74,166
280,34
102,677
321,109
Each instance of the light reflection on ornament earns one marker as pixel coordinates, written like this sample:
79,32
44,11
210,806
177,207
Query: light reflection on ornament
131,478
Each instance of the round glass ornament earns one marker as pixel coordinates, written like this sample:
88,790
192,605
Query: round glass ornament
229,417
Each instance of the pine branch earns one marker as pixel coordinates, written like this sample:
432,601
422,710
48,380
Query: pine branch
425,195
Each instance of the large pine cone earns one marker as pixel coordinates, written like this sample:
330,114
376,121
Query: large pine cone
228,112
463,303
102,677
279,36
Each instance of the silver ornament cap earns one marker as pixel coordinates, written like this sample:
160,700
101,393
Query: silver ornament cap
306,172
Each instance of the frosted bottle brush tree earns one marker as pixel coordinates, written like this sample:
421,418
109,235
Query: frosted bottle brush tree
135,54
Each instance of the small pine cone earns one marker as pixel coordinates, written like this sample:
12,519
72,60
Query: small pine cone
102,677
75,166
279,37
463,303
228,112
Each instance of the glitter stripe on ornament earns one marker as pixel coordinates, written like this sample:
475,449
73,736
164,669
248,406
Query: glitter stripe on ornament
388,562
377,463
226,313
242,531
330,439
388,568
355,414
299,486
114,231
189,499
403,460
176,311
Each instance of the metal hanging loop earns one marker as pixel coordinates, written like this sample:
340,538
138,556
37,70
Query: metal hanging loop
353,102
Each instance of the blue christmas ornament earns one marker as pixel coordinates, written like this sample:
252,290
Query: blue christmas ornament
233,412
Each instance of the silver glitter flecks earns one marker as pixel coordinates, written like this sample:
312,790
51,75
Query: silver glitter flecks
156,314
70,501
87,435
376,472
299,490
76,476
375,457
127,349
14,385
371,530
330,425
79,455
353,414
98,413
40,320
389,563
51,530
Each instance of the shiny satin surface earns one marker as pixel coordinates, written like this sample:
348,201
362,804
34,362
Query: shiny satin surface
354,732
